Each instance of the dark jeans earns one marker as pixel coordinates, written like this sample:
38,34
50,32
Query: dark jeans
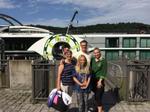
98,96
82,100
98,91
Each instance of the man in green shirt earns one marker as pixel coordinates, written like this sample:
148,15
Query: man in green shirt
99,72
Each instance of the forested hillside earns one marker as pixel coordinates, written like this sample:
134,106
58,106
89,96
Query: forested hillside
102,28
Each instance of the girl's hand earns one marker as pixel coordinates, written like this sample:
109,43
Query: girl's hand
99,84
84,85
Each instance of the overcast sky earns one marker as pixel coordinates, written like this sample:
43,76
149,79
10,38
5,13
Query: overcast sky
60,12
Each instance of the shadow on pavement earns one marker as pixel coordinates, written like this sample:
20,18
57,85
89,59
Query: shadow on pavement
74,109
110,98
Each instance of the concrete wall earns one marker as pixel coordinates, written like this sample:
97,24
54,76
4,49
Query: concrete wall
4,79
20,72
0,79
4,75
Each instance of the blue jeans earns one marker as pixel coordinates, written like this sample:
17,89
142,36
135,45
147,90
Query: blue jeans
82,100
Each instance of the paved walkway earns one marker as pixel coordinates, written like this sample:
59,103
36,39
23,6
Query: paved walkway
12,100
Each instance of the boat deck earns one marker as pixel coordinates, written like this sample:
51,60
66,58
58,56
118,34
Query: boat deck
14,100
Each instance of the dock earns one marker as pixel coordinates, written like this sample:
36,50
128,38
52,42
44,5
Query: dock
17,100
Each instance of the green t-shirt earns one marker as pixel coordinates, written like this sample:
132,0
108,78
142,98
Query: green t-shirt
99,68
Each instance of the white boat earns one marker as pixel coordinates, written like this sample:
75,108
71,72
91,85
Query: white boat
116,46
10,27
19,37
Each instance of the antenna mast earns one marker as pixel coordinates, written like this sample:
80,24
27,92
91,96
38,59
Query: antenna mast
75,13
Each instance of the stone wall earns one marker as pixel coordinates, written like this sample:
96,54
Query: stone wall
20,73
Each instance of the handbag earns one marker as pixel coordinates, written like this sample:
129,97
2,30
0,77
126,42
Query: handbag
59,100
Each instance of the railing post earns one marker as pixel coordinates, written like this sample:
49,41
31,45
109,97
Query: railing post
138,88
43,79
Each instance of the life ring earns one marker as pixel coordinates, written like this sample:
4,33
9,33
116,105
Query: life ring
74,44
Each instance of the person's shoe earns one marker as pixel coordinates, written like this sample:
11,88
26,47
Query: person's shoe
91,110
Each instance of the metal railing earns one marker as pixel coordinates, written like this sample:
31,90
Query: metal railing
114,80
43,79
138,86
115,74
4,73
131,79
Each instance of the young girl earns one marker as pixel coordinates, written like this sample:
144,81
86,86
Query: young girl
82,80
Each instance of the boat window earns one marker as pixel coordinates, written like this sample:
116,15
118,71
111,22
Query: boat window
112,42
144,55
145,42
129,42
112,55
129,54
19,43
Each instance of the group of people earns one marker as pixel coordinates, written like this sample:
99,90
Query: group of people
83,73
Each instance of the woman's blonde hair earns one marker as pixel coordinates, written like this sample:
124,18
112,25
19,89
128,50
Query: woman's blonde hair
85,67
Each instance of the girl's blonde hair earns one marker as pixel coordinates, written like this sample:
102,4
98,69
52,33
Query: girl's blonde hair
85,68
